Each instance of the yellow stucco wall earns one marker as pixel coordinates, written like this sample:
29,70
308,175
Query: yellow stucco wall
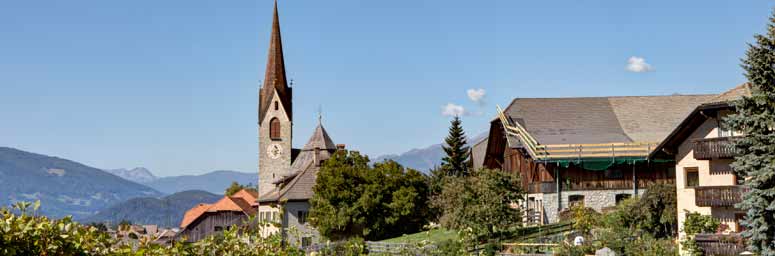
711,173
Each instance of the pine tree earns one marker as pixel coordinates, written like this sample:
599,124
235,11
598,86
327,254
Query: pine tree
456,161
755,118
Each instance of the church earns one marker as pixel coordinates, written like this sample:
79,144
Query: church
286,174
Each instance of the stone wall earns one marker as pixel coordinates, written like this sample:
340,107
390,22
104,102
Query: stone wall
291,222
595,199
271,169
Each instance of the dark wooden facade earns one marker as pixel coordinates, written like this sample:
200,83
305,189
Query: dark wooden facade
211,223
713,148
541,177
719,196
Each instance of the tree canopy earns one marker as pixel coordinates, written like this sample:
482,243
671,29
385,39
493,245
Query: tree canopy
482,202
354,199
755,118
456,160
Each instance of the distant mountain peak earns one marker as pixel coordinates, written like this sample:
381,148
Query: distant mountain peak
137,174
424,159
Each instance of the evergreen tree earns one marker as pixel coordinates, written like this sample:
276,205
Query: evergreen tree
755,118
456,161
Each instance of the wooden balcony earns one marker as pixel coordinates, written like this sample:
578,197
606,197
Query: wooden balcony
713,148
718,196
720,244
542,187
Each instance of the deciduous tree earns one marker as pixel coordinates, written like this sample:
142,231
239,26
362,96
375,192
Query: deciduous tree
353,199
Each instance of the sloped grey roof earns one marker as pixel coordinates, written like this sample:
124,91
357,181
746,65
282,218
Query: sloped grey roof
319,139
477,153
304,169
602,119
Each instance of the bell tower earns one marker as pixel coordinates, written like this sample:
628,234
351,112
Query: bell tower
275,116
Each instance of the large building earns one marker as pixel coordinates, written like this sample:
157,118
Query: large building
705,183
286,175
591,151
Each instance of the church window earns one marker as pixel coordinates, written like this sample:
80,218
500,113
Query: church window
275,106
274,129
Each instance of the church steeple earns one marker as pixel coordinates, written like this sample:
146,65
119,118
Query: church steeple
274,78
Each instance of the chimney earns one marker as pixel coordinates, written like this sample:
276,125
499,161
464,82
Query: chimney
317,157
340,146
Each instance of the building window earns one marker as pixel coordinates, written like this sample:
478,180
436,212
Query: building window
274,129
306,241
621,197
692,177
275,106
302,215
218,228
576,200
723,129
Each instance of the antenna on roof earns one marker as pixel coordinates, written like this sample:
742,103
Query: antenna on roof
320,114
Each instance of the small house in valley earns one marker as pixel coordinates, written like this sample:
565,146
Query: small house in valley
208,219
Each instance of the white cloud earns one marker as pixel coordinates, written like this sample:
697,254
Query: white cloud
476,95
638,65
453,110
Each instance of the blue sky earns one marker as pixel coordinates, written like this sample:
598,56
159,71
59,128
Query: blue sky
172,85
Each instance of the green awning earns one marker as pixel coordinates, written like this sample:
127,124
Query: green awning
602,164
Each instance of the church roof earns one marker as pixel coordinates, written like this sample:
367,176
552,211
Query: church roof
304,169
274,78
319,139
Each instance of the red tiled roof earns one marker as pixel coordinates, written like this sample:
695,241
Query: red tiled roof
242,201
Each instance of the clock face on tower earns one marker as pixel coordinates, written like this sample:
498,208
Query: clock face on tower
274,151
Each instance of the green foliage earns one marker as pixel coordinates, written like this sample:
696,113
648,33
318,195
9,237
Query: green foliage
455,162
353,199
481,202
584,218
755,118
696,223
657,211
24,234
636,226
236,187
352,247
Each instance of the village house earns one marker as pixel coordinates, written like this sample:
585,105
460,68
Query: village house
208,219
705,183
591,151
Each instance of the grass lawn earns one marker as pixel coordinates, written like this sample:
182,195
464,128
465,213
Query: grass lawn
434,235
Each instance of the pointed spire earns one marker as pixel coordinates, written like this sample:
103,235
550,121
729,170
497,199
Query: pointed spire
319,139
274,77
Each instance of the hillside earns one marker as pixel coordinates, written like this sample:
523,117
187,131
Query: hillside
166,212
64,187
139,174
214,182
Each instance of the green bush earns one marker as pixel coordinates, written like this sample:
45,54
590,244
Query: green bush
25,233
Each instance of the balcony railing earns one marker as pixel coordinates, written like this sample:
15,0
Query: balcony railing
707,149
720,244
718,196
542,187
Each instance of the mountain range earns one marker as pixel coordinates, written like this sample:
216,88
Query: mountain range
139,174
424,159
64,187
165,212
